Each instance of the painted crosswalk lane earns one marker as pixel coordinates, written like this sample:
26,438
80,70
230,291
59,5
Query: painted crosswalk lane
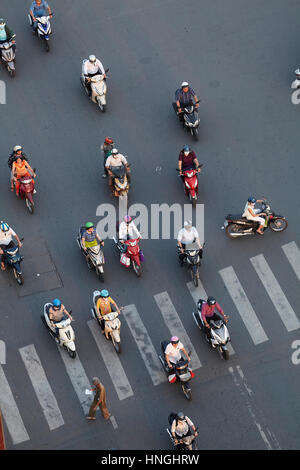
292,253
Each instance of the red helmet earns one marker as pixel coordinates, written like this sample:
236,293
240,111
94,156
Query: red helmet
108,140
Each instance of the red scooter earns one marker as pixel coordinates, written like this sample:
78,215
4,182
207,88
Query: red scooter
26,191
191,184
131,254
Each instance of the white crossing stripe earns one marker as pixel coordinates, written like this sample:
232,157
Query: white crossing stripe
144,344
200,293
175,326
292,253
243,305
10,412
41,387
78,378
275,292
112,362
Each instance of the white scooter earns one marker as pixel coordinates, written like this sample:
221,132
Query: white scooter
94,255
112,324
8,56
43,29
66,333
98,87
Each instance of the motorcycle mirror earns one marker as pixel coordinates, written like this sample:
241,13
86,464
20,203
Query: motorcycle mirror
13,36
21,239
106,70
70,312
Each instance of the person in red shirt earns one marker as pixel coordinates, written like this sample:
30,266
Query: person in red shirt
208,313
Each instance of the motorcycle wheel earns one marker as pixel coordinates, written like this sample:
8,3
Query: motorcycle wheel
278,225
137,269
117,345
72,354
18,277
232,228
47,46
100,274
196,134
225,354
30,206
12,72
187,392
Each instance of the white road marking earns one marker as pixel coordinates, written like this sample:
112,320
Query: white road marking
113,422
279,300
243,305
41,387
292,253
267,436
144,344
175,326
200,293
112,362
10,412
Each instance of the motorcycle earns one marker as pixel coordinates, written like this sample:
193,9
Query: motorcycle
191,120
131,254
192,259
238,226
98,87
181,372
8,56
120,180
43,29
186,442
190,182
112,324
26,191
94,256
13,260
219,335
66,335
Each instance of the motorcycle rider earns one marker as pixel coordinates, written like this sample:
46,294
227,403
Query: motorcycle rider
6,34
187,160
173,352
184,97
208,313
128,230
187,235
20,168
92,67
114,160
106,148
105,304
296,83
16,153
254,214
57,313
90,237
39,8
180,427
6,241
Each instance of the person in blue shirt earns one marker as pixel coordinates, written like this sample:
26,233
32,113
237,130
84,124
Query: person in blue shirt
39,8
6,34
184,97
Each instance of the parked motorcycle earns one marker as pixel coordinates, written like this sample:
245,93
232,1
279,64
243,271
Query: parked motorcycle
190,183
112,324
186,442
8,56
66,336
238,226
192,260
120,181
181,372
43,29
131,254
219,335
13,260
98,87
94,255
191,120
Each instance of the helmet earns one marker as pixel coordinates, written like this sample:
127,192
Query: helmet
56,303
186,148
115,152
17,147
184,84
104,293
297,71
174,339
108,140
180,416
187,224
4,227
2,23
252,199
89,225
211,301
127,219
92,58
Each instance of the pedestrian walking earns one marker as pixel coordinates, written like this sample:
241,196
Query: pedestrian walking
99,400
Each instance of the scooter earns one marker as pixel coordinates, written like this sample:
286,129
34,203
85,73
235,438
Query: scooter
8,56
192,260
190,182
13,260
94,255
26,191
219,335
98,87
237,226
130,254
66,335
120,181
181,372
186,442
43,29
191,120
112,324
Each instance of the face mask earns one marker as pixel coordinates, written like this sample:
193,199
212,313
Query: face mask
186,153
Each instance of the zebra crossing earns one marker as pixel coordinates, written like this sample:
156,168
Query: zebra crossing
147,349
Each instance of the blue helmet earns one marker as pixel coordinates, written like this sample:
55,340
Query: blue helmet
56,303
186,148
104,293
4,227
252,199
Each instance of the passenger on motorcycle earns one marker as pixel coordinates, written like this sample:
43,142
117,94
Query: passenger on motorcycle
6,241
184,97
106,148
128,230
187,235
208,313
39,8
20,168
116,159
173,352
92,67
181,427
6,34
254,214
90,237
57,313
105,304
16,153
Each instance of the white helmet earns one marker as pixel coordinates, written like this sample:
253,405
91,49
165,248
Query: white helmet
184,84
297,72
17,147
114,152
92,58
188,224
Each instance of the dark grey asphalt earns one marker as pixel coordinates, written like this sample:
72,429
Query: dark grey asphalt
239,56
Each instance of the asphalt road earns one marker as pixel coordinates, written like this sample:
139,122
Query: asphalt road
239,56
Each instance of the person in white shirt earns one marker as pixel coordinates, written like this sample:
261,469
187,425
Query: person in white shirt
116,159
254,214
128,230
173,352
181,425
296,83
92,67
187,235
6,241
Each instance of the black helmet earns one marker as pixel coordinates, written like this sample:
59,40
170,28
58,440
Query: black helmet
180,416
211,300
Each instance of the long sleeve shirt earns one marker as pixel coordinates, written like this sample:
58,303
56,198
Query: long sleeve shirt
208,310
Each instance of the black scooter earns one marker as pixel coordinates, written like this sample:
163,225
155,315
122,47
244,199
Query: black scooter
192,260
13,261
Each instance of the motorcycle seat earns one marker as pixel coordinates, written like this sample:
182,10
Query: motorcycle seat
235,217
